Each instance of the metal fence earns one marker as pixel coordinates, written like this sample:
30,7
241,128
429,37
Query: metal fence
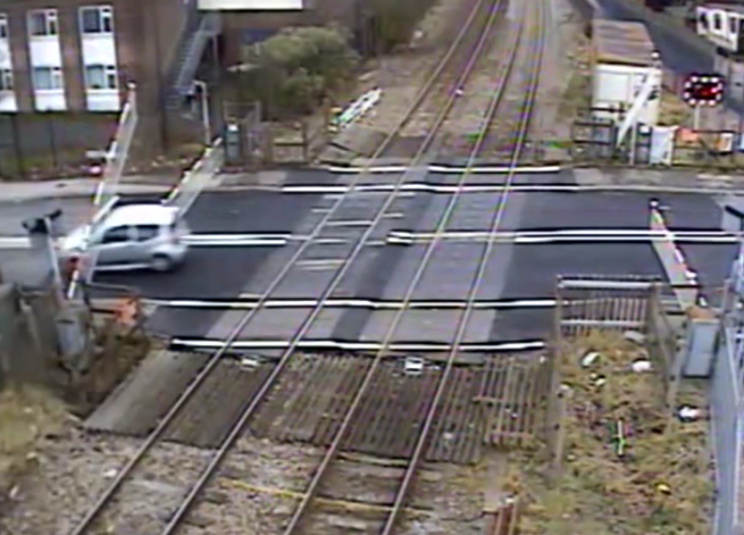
588,304
727,427
727,406
594,134
245,139
51,144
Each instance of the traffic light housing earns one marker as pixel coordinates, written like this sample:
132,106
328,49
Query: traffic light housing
704,90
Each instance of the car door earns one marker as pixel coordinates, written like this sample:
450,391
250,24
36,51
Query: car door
147,237
116,246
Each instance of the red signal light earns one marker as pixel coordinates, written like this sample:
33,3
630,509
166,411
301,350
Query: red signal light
703,90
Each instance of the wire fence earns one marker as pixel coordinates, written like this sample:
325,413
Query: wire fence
40,145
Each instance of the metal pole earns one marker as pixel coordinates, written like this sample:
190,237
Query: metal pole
740,125
204,90
696,118
633,143
58,284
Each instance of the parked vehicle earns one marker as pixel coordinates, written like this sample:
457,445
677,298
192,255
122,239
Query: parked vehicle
135,236
722,25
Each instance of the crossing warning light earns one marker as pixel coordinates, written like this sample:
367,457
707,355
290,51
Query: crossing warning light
704,90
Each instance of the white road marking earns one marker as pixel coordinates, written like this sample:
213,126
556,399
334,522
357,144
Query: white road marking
250,301
428,187
500,169
14,242
320,264
204,343
401,237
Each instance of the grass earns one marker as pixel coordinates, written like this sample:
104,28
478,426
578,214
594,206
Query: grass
27,414
672,110
660,485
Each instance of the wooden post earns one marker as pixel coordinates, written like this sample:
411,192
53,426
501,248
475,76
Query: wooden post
553,375
326,121
269,143
559,428
305,141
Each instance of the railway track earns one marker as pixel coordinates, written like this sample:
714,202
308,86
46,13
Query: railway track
302,520
105,510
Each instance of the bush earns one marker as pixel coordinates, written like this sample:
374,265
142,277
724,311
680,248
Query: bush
395,20
300,67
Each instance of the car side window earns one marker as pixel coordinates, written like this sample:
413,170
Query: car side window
147,232
116,235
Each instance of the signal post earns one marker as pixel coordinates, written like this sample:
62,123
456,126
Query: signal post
703,90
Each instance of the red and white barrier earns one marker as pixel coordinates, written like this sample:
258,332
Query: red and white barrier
683,279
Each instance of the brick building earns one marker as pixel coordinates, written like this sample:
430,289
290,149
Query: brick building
78,55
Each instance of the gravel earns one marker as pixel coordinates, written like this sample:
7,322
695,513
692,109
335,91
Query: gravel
467,115
256,491
256,488
73,469
402,76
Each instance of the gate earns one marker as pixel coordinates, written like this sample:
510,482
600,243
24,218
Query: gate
246,140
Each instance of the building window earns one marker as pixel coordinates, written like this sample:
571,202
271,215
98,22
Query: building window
6,80
97,19
47,78
101,77
3,26
43,23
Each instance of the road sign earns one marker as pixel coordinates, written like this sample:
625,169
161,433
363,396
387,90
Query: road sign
704,90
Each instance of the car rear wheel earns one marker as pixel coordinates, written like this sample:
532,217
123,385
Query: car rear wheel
161,263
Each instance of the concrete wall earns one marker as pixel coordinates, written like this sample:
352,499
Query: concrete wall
26,339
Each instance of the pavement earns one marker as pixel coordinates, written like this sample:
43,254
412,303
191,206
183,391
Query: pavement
570,199
19,192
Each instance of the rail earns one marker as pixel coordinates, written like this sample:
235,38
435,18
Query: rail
104,499
424,435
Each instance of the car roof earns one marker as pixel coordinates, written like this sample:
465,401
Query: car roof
141,214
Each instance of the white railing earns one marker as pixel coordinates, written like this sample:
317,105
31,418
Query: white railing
199,177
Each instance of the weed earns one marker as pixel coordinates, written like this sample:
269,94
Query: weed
624,470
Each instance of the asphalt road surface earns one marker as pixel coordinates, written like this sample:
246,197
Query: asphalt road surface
516,271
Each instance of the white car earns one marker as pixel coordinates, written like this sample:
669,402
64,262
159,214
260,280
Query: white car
134,236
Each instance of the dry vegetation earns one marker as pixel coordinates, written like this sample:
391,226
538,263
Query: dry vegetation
27,415
118,355
658,482
672,110
578,93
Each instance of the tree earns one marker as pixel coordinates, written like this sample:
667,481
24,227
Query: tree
395,20
299,67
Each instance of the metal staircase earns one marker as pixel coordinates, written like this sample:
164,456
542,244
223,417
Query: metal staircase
200,28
